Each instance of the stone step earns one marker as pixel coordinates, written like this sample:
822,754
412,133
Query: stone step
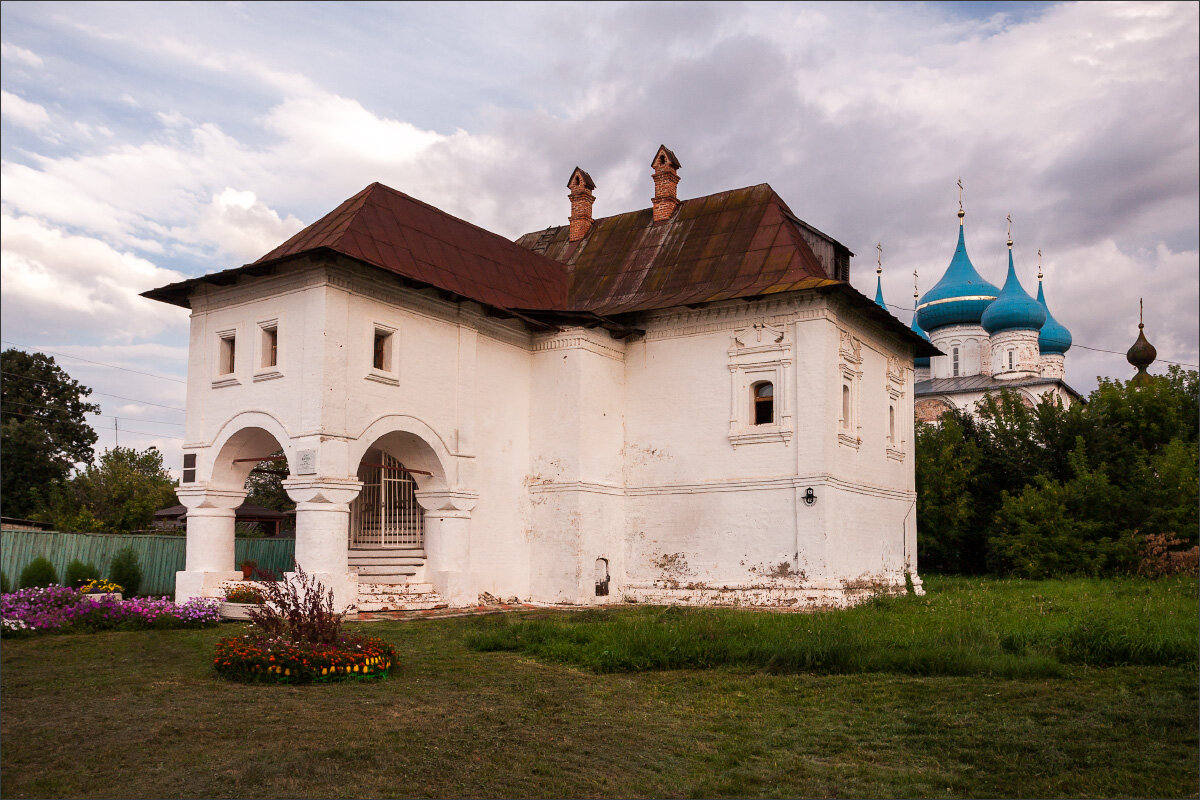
387,569
394,561
392,597
407,605
386,552
367,589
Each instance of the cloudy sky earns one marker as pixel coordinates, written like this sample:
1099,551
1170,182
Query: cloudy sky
143,143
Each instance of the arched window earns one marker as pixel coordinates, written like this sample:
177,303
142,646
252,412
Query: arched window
1010,359
954,359
764,403
845,406
891,423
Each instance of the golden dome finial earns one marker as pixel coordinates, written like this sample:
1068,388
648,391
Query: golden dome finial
961,213
879,258
1009,218
1039,265
915,292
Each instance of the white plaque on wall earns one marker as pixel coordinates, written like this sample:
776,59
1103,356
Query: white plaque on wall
306,462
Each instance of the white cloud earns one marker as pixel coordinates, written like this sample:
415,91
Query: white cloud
54,282
1081,121
242,225
22,112
10,52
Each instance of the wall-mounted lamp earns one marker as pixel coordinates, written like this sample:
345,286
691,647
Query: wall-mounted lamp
809,497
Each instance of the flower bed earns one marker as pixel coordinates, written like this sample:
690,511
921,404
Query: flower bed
61,609
254,658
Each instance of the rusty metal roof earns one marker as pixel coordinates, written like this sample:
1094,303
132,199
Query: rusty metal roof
390,230
740,243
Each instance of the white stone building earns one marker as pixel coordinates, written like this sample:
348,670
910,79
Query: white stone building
990,339
684,404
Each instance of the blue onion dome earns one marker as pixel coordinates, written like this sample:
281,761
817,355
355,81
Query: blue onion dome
919,361
960,297
1014,309
1054,338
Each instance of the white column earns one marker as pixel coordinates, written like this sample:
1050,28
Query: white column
210,540
323,531
448,544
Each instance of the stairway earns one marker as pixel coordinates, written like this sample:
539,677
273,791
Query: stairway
392,579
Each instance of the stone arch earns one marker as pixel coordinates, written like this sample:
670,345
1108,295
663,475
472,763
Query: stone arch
250,434
413,443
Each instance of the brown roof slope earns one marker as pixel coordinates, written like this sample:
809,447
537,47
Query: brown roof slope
389,229
398,233
739,243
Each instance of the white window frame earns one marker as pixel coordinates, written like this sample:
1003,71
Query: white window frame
390,374
266,372
220,377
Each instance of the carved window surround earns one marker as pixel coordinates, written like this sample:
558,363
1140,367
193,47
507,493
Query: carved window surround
760,352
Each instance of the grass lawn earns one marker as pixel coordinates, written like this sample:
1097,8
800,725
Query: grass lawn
141,714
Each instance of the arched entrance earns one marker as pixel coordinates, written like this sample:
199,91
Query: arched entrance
408,526
386,513
212,500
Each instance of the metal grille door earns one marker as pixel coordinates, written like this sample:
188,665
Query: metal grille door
386,512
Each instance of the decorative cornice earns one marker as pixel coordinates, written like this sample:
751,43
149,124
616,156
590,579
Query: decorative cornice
577,339
729,316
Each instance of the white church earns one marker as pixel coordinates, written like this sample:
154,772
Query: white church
990,339
683,404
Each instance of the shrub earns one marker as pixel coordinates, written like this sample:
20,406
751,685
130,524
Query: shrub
79,573
296,637
299,609
4,587
125,570
1163,554
37,573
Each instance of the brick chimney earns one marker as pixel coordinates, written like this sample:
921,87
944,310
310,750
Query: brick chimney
666,178
581,185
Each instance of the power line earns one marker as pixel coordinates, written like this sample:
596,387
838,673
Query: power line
90,361
1085,347
93,391
143,433
98,414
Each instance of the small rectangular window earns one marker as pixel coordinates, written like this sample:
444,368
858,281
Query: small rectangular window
189,467
228,357
382,355
845,406
954,355
270,346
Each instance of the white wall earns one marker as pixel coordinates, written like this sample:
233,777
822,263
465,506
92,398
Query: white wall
574,446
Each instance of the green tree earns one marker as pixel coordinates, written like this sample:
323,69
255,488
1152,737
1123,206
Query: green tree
117,494
43,432
947,478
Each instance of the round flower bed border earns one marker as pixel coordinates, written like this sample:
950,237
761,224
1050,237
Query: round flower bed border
252,659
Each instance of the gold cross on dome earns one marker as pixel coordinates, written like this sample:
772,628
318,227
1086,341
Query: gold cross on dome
878,257
960,188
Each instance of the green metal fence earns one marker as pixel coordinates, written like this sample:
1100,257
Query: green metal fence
159,556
